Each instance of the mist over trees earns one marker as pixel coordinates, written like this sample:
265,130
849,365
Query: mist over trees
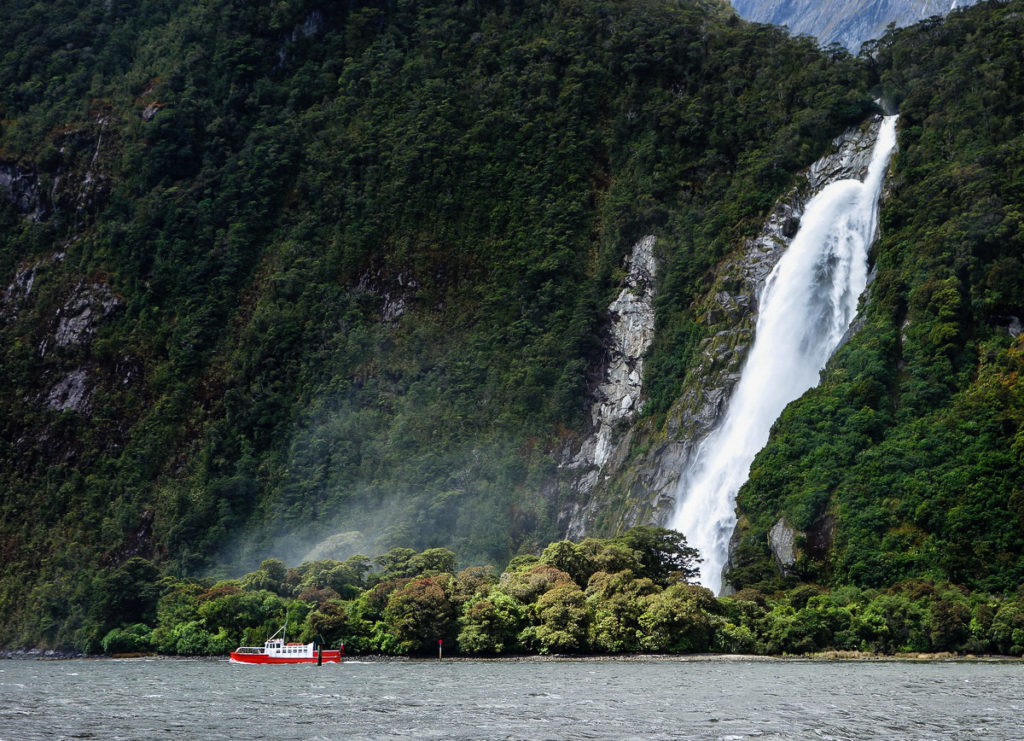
624,595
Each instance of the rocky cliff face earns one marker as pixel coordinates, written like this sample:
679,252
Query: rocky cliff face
77,317
20,188
846,22
75,184
616,399
631,331
642,488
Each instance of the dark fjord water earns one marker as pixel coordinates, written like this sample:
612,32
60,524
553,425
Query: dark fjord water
604,699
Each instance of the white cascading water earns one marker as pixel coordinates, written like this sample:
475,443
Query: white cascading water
806,305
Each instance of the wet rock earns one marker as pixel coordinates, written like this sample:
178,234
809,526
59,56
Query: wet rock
18,291
20,188
149,112
76,182
820,536
646,485
1009,324
617,396
782,541
40,654
630,333
311,25
80,314
397,292
70,393
851,159
74,325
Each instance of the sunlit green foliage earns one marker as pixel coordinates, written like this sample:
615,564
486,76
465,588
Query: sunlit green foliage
491,624
678,620
615,602
417,615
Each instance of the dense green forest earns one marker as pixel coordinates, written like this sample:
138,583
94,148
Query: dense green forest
605,596
906,461
307,281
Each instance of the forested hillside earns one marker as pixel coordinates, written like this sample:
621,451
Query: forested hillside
906,461
305,280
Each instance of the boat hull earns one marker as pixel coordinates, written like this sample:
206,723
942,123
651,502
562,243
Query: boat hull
332,656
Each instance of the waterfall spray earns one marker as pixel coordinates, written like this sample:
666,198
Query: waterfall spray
806,305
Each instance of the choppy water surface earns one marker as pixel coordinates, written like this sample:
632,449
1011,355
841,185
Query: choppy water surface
661,699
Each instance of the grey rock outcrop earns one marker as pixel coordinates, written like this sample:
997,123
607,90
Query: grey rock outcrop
80,314
617,396
394,302
149,112
631,331
70,393
396,291
76,322
21,189
311,25
78,184
18,290
782,541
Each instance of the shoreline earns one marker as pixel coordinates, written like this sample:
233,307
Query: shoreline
37,654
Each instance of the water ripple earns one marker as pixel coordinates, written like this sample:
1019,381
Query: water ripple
655,699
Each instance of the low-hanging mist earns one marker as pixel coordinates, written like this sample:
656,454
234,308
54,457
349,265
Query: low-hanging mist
300,280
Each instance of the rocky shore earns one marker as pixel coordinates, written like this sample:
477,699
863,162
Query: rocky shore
40,653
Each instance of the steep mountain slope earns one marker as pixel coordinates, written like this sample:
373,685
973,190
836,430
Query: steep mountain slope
906,461
302,281
289,276
846,22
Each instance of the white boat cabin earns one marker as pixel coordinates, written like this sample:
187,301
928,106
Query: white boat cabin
278,648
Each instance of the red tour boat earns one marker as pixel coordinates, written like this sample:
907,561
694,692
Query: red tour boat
277,651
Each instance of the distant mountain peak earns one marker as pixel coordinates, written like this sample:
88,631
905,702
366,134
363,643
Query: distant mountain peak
847,22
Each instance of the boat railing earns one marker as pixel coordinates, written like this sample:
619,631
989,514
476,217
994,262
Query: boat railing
249,650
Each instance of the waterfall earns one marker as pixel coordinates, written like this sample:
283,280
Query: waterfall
806,305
